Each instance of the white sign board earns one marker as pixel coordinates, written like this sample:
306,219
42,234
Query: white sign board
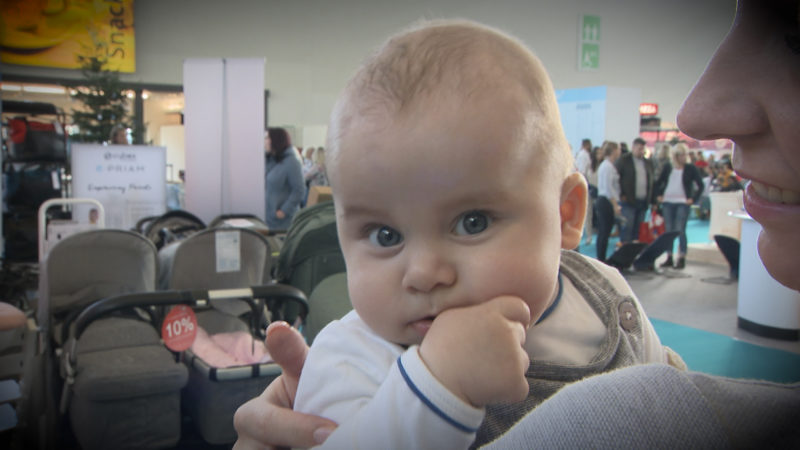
127,179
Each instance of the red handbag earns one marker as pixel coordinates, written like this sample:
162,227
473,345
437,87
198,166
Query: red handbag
650,230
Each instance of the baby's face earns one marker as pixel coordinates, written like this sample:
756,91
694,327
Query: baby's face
443,209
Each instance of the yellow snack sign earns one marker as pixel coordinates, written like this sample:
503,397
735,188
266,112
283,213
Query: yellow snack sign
52,33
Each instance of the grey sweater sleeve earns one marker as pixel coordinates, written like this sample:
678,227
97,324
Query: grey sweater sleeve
657,406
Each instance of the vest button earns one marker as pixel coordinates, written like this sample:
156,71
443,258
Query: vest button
628,316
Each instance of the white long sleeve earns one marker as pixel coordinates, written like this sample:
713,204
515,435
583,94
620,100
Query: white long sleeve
388,398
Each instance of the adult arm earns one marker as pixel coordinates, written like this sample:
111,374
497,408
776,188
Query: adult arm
657,406
268,421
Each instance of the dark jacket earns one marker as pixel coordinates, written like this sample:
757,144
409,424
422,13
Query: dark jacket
692,182
627,178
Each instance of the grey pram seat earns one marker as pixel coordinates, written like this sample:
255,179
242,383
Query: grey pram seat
220,258
125,392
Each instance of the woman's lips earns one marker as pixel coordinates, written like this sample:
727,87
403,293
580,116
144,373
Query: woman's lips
772,206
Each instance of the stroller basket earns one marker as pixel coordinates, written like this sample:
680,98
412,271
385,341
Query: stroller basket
211,395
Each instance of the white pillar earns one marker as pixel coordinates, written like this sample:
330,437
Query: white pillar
224,126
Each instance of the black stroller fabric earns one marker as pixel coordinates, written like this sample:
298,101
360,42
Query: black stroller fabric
311,251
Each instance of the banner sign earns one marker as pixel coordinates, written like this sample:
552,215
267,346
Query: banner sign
52,33
589,43
127,179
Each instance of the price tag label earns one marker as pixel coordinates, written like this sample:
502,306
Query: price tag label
179,328
228,250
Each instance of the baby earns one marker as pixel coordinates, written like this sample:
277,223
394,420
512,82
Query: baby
455,200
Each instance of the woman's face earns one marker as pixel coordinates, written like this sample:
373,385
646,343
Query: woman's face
267,143
750,93
121,137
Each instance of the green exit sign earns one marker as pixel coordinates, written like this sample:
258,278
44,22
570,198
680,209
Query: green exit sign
589,42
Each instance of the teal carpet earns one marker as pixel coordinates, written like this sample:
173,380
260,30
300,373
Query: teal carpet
717,354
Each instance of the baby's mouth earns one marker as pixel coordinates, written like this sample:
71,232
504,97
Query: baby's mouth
423,324
775,194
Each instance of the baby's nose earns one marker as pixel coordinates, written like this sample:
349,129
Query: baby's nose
426,269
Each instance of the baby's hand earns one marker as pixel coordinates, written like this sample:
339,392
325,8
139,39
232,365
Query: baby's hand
477,353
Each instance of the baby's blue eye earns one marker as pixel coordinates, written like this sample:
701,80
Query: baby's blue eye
473,222
385,236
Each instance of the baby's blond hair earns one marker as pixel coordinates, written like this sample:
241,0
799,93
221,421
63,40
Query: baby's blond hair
461,60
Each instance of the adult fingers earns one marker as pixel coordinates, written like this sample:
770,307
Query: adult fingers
287,348
262,424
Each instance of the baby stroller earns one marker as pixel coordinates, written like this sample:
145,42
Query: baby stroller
216,392
169,227
232,259
126,390
311,260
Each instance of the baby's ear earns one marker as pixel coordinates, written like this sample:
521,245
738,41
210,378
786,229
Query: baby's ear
573,210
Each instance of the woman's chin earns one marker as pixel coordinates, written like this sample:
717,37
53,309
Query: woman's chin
780,253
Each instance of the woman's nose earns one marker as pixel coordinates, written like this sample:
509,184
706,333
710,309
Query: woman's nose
427,268
724,103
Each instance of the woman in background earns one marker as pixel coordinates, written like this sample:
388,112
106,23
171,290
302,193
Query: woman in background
678,188
118,135
316,174
284,179
607,196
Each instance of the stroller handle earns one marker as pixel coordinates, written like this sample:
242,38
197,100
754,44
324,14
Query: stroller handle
192,298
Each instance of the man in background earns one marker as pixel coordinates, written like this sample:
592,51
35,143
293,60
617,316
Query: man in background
636,189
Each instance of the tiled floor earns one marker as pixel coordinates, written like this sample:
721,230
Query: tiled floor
692,302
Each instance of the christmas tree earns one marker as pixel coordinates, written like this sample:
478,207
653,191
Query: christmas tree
104,101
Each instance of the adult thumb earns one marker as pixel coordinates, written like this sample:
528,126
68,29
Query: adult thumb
287,347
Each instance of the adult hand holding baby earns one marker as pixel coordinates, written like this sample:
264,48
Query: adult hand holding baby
477,353
288,348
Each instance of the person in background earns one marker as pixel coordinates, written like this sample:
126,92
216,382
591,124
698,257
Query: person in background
749,79
585,165
607,206
118,135
677,189
712,160
701,162
636,189
726,180
176,192
285,188
584,157
308,161
660,160
317,175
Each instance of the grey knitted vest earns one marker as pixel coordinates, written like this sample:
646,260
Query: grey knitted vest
621,347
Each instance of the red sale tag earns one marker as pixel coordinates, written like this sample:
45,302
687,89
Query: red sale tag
179,328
